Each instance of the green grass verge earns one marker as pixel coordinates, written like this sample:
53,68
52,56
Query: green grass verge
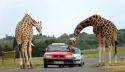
116,67
9,63
90,53
94,52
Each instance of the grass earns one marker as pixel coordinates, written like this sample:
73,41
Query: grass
116,67
90,53
94,52
121,49
9,63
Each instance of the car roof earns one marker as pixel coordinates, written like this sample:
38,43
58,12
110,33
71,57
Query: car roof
58,44
77,48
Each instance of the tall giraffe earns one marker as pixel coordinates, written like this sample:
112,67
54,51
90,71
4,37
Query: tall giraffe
105,31
23,35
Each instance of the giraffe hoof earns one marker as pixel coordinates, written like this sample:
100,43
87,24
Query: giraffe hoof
98,65
109,64
22,67
102,64
116,61
29,67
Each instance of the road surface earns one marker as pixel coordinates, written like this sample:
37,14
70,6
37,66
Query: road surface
90,66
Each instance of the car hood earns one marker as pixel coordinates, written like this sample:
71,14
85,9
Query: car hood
58,53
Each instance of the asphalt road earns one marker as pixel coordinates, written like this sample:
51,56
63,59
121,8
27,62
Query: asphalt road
90,66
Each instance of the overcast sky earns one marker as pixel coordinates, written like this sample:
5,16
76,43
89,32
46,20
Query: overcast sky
59,16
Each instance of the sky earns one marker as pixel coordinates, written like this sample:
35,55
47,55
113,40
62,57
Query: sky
58,16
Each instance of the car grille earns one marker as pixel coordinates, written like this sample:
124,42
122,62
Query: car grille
51,61
58,56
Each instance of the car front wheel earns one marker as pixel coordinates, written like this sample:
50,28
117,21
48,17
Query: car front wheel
80,65
45,66
71,65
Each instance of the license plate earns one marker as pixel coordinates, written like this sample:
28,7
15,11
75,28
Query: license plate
58,62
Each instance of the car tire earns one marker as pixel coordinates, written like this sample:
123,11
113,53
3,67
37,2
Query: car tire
83,63
71,65
60,66
45,66
80,65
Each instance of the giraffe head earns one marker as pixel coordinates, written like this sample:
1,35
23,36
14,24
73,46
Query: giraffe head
39,27
72,41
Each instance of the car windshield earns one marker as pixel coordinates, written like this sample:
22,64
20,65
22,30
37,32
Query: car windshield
57,48
76,51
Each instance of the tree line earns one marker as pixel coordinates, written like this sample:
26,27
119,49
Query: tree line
84,41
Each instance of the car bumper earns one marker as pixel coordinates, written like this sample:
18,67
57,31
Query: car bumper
58,61
78,62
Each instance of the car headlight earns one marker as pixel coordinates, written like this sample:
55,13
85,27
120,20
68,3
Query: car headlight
78,57
47,56
70,57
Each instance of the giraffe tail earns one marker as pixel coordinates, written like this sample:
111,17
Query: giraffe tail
115,47
19,47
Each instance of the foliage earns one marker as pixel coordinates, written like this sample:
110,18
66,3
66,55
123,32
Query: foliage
84,41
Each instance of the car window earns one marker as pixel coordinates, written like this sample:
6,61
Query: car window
57,48
76,51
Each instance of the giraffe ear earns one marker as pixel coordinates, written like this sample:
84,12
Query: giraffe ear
40,22
26,14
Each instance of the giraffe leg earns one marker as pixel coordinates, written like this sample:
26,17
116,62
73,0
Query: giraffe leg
110,54
21,60
116,59
25,54
103,52
103,57
30,54
109,42
100,52
27,58
100,58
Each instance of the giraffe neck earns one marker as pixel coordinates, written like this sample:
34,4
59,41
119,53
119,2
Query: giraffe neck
27,19
91,21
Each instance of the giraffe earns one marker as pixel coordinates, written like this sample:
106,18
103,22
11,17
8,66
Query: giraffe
23,35
106,32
